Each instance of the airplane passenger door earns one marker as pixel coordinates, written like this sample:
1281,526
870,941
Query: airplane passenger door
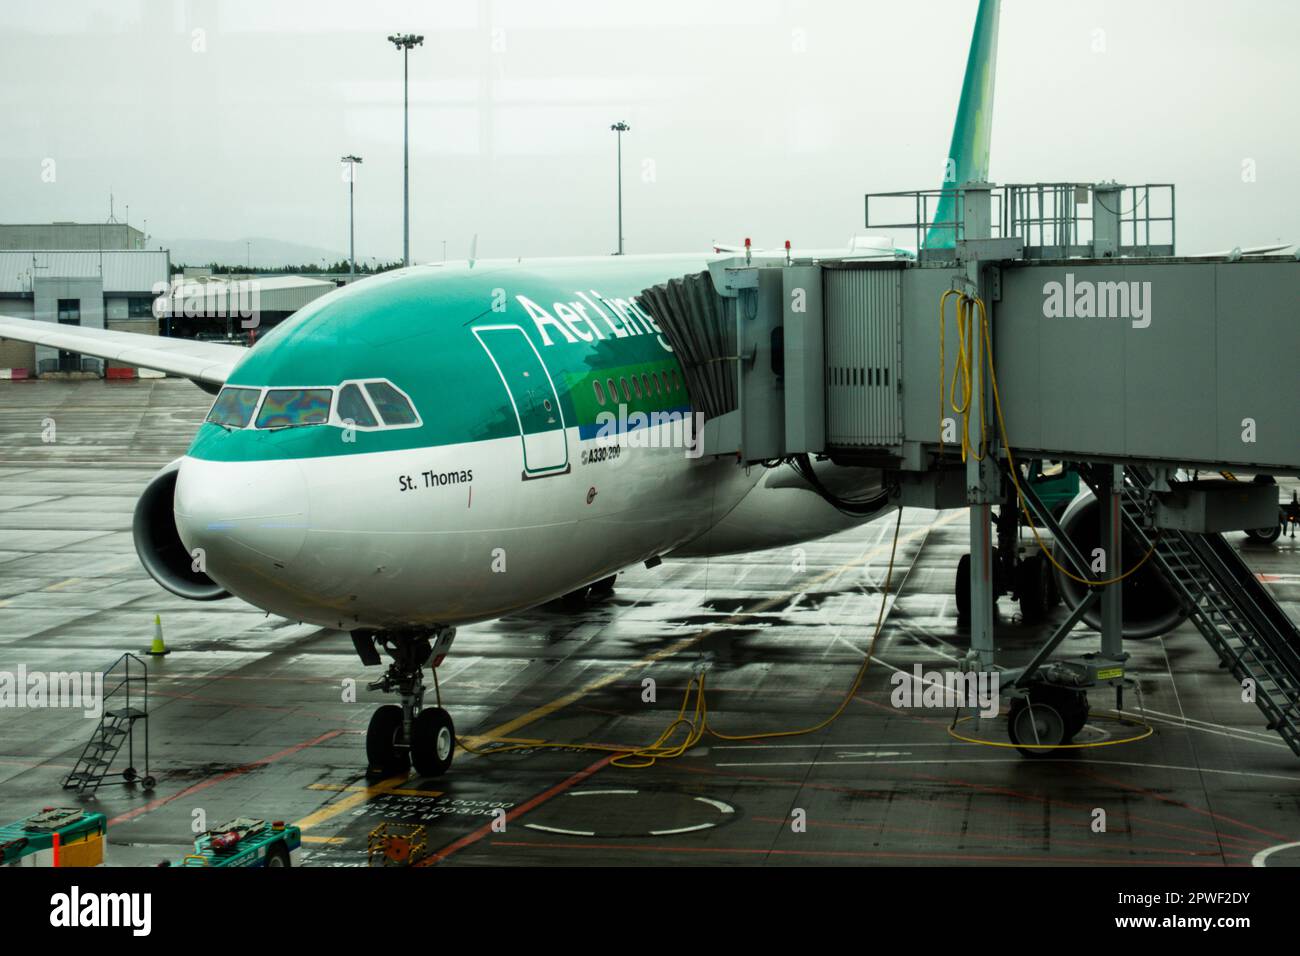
532,396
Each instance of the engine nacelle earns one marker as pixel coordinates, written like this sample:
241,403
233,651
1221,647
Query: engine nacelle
782,509
1151,607
159,545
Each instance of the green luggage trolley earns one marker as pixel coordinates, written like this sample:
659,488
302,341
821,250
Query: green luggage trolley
56,836
245,841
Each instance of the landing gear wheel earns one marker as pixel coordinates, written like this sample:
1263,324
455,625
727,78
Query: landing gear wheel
961,589
148,783
575,600
129,774
1037,726
604,587
1057,599
383,739
1265,535
1034,588
277,855
433,742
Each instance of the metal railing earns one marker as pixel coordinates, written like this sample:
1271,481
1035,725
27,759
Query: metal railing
1053,220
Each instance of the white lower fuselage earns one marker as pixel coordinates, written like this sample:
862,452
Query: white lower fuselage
372,540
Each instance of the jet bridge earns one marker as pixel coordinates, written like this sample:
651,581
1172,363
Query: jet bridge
1058,325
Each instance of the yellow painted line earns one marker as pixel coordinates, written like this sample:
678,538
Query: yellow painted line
332,810
560,703
358,788
321,839
478,740
4,603
62,584
495,734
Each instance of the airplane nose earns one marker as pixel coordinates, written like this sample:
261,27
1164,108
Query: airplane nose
238,511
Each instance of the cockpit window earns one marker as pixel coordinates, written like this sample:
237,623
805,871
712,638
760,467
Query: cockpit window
234,407
286,407
392,404
353,407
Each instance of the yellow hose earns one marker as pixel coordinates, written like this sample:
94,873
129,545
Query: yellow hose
962,372
697,726
987,355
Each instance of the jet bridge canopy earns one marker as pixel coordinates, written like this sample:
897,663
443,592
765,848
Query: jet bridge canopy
1153,359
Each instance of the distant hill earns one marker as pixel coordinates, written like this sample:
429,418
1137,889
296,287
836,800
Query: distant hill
269,253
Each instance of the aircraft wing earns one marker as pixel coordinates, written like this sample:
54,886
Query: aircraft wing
205,362
1285,248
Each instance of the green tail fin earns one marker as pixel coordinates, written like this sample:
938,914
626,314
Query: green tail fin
968,156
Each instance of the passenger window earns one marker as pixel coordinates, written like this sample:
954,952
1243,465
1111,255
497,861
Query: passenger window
393,407
600,392
645,382
613,389
627,392
636,384
234,407
290,407
353,407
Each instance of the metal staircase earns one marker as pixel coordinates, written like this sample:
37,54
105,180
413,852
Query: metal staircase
1253,636
125,705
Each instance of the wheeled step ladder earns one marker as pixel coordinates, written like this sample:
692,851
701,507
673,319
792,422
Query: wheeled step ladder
125,713
1252,635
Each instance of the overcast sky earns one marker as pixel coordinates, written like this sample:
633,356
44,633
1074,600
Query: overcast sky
762,118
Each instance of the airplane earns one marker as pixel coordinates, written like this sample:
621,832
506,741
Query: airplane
421,450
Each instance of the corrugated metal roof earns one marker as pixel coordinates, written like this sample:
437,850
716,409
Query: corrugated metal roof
123,271
287,293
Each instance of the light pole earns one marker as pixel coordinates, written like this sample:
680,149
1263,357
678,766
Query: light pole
352,162
620,128
404,42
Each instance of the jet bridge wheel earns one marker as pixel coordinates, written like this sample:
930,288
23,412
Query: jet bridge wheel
433,742
1048,718
384,750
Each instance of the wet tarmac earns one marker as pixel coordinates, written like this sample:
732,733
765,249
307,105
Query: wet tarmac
256,716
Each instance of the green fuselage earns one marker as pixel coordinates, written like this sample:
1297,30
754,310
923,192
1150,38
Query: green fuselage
415,328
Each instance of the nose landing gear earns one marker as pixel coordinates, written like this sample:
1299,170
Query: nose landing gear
411,734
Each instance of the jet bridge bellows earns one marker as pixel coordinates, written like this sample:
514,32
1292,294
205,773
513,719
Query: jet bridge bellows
1058,324
702,327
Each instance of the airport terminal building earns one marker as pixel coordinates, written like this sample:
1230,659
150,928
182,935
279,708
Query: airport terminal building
108,289
100,276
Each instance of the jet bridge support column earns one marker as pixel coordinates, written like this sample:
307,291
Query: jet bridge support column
983,487
1110,491
1110,498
